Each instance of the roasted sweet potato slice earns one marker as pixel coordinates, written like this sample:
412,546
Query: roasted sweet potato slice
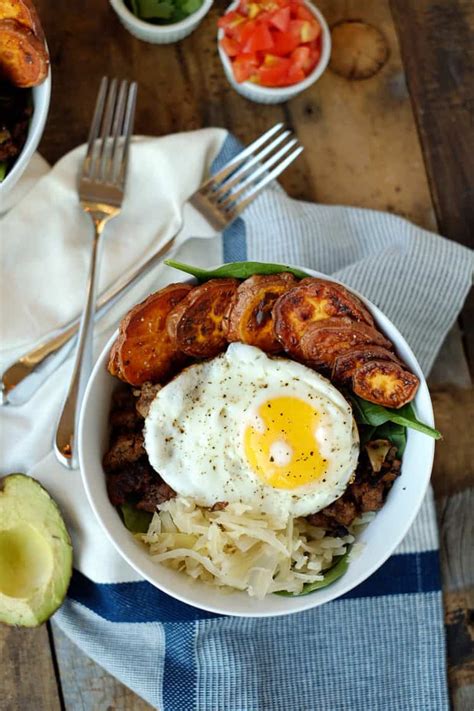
323,341
385,383
313,300
197,325
23,57
346,363
144,350
113,366
24,12
250,317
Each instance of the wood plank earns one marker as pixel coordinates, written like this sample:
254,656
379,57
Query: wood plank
86,686
27,674
454,461
457,568
437,45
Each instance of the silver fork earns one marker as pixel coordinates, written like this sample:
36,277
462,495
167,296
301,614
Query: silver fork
218,201
101,189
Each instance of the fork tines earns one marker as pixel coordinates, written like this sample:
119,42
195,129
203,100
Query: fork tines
233,187
109,136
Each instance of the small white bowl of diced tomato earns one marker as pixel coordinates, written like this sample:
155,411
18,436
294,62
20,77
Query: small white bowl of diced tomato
272,50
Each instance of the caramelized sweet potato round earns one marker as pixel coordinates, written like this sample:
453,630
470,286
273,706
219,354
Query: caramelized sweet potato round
313,300
346,363
143,350
385,383
323,341
23,57
197,325
250,317
24,12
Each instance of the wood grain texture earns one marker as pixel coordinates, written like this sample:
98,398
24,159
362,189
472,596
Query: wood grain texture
457,568
454,459
88,687
27,675
438,51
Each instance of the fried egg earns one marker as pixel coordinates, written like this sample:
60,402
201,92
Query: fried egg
243,427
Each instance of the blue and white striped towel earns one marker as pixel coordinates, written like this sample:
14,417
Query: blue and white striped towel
377,648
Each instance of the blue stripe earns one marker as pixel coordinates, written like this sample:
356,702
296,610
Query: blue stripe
180,673
234,242
141,602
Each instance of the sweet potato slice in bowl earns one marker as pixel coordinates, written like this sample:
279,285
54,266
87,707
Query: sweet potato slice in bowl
346,363
24,12
313,300
143,350
197,326
23,57
385,383
323,341
250,318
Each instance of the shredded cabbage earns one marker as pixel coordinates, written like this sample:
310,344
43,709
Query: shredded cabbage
240,548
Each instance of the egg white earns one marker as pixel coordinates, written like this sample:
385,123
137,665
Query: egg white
196,429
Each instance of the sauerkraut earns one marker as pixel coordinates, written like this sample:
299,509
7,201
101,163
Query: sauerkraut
240,548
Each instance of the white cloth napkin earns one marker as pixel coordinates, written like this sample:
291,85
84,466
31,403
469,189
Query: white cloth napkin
45,245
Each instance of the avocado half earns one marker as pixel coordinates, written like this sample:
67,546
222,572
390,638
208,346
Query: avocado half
35,553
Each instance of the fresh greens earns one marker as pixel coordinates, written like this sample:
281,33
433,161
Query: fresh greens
238,270
135,520
367,413
163,12
3,169
330,576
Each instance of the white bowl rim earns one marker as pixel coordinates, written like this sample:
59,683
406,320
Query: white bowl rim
305,602
284,91
34,136
120,7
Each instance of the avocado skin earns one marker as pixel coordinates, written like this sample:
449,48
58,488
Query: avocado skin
28,513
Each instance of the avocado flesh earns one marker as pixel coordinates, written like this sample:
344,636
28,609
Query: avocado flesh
35,553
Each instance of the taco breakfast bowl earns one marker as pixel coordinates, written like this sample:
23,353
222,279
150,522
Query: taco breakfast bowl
339,527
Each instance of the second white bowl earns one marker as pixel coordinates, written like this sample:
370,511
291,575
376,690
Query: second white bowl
278,95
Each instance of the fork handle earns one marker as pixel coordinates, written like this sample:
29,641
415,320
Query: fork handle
65,444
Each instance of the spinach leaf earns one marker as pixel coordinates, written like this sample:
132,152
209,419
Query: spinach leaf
367,413
3,169
135,520
396,434
330,577
238,270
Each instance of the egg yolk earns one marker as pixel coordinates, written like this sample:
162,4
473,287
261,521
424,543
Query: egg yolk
281,445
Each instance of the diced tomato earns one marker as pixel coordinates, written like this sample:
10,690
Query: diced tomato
230,46
300,57
243,32
281,19
295,75
305,31
274,71
244,66
230,19
253,10
302,13
284,43
259,40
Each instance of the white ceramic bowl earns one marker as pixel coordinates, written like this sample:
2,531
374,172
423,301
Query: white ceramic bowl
277,95
41,99
159,34
381,536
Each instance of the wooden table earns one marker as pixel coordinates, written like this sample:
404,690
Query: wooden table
400,140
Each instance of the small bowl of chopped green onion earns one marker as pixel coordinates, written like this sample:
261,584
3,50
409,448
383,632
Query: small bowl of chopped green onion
161,21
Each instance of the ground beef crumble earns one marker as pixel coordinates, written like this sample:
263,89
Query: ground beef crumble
129,475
